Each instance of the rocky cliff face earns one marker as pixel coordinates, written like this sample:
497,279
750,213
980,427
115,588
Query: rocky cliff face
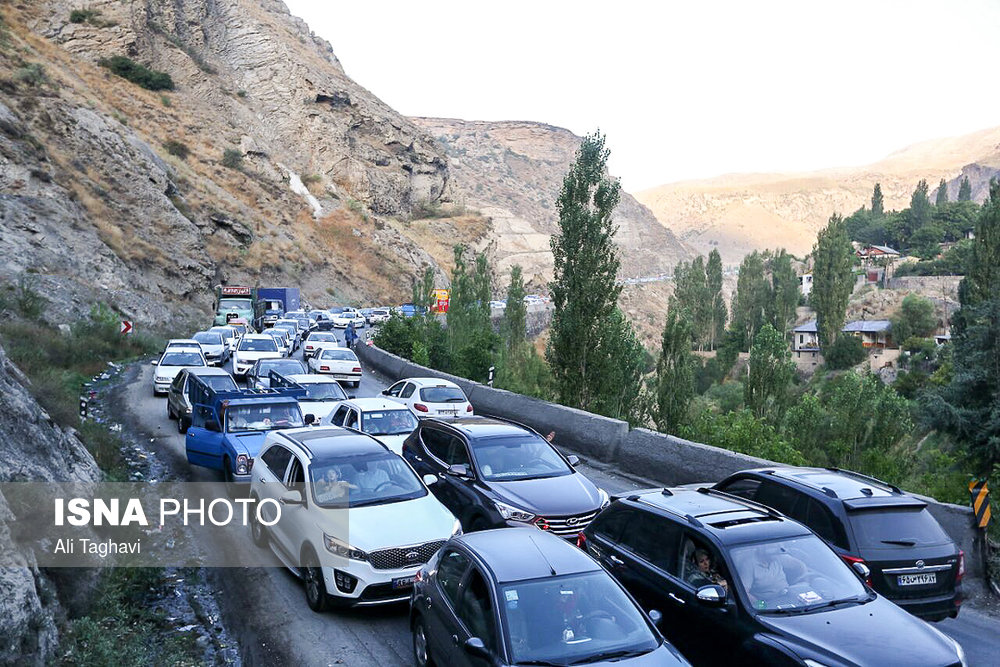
739,213
33,449
513,172
109,192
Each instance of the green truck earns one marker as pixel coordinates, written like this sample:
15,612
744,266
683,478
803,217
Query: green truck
235,302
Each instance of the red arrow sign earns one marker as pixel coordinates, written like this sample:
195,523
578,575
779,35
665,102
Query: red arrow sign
126,327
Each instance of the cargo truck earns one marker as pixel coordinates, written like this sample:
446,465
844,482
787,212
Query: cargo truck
236,301
277,302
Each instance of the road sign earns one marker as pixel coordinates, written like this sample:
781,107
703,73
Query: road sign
126,327
980,502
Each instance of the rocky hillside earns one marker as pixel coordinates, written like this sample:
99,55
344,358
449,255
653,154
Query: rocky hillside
265,163
738,213
513,171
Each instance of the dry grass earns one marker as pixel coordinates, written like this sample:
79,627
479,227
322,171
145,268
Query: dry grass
439,236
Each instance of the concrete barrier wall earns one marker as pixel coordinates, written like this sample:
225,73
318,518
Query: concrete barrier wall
659,457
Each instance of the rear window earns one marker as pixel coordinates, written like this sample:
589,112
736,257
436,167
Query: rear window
889,527
258,345
182,359
219,382
208,338
442,395
338,355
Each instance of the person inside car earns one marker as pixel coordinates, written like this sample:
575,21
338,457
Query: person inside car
704,573
330,488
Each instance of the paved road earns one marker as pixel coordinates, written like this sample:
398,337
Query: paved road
265,608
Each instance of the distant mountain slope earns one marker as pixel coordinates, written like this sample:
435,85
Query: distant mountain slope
513,171
738,213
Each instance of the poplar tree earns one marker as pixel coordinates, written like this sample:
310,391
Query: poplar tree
877,203
770,373
717,308
833,279
965,190
515,315
784,289
674,374
942,194
751,302
920,207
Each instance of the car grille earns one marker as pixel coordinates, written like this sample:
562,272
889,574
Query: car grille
565,526
400,557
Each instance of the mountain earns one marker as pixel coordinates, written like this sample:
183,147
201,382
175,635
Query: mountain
738,213
512,172
265,163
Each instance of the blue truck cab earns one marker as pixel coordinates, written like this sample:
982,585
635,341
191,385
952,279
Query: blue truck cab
228,427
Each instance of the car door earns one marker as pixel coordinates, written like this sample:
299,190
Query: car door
202,446
406,394
340,415
648,551
444,449
393,390
296,523
352,420
442,601
269,473
177,388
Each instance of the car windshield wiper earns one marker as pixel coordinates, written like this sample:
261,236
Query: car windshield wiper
901,542
857,599
784,611
610,656
544,663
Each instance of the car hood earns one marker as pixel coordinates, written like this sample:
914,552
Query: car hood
393,442
318,409
550,496
246,355
392,525
251,442
876,633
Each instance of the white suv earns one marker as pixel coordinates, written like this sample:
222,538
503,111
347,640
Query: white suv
356,523
430,397
250,349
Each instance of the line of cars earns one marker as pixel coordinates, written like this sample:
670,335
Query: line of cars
727,573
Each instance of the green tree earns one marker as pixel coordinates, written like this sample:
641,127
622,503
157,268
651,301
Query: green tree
471,341
942,193
717,307
877,202
965,190
926,241
770,374
751,301
513,326
833,279
674,374
846,352
423,288
920,207
915,317
691,300
619,363
584,290
784,290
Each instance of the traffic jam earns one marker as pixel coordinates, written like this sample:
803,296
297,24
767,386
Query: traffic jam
505,552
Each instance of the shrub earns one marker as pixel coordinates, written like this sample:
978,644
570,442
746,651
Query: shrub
165,101
232,159
177,149
138,74
83,15
846,352
29,302
31,74
241,93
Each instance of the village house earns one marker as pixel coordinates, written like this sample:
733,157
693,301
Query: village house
873,333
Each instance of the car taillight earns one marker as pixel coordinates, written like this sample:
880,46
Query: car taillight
851,560
468,408
961,567
581,540
324,368
356,369
420,407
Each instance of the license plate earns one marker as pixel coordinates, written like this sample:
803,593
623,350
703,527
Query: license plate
448,412
917,579
403,582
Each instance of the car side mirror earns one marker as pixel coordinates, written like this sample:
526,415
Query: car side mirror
863,570
351,396
459,470
430,479
309,419
291,497
573,459
385,392
475,647
155,362
712,595
213,426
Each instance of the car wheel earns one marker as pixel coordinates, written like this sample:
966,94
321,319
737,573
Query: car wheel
170,413
421,647
182,425
258,533
316,596
232,488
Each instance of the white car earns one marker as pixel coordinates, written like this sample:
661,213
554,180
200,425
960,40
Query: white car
323,394
356,523
181,342
229,335
339,362
430,397
317,341
293,329
172,362
283,338
214,346
386,421
380,315
350,316
251,348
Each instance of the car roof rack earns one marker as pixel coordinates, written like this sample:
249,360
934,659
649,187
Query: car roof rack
512,423
857,475
743,501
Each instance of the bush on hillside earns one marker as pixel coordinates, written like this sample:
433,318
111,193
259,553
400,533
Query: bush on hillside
233,159
846,352
138,74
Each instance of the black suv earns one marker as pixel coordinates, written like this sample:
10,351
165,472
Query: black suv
912,560
739,583
496,473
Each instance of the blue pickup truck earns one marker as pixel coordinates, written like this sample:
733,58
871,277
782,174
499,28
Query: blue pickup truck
228,427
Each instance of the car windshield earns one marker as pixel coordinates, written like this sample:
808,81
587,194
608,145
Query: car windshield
324,391
371,479
283,366
510,458
182,359
892,527
380,311
225,332
208,338
258,345
322,338
572,619
442,395
388,422
338,354
234,304
794,575
219,382
241,329
264,417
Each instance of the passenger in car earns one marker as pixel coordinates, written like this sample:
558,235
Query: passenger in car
704,572
331,488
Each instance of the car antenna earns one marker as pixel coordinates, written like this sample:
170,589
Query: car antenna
542,554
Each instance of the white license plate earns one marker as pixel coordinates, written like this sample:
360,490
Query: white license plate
448,412
917,579
403,582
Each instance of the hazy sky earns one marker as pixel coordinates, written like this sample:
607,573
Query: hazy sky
685,89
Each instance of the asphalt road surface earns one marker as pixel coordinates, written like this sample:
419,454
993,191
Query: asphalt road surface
265,608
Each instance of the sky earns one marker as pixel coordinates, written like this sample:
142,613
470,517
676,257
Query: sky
684,90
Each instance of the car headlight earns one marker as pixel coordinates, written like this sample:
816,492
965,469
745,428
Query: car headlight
513,513
343,549
456,529
605,498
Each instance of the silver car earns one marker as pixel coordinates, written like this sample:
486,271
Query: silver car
178,403
214,347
